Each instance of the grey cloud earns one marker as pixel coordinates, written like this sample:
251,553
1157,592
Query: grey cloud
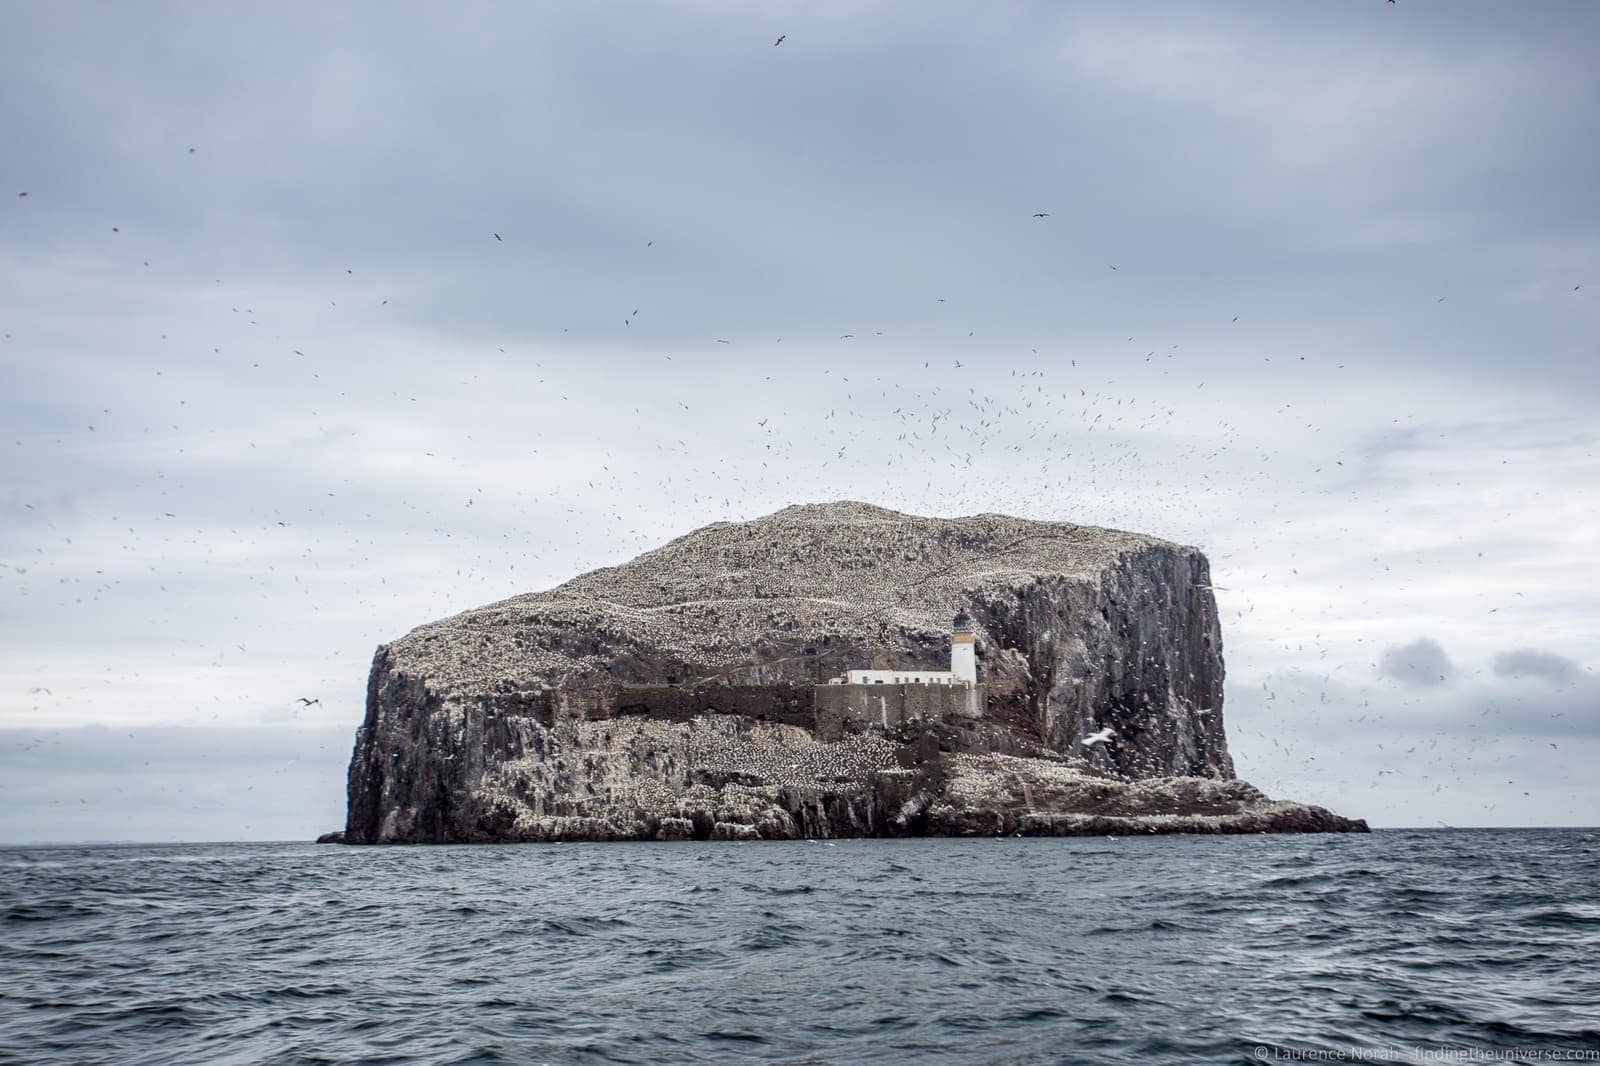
1465,753
185,783
1230,161
1422,663
1531,662
1300,703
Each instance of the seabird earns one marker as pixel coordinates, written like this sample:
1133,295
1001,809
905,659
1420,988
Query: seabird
1041,214
309,702
784,37
1102,737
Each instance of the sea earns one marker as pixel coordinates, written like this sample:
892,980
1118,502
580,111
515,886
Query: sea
1399,946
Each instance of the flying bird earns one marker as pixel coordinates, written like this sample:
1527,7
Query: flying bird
1102,737
1041,214
498,237
781,38
309,702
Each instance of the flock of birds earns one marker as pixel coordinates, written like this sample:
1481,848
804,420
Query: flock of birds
978,430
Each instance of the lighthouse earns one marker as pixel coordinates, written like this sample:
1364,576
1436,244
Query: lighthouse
963,655
887,698
963,665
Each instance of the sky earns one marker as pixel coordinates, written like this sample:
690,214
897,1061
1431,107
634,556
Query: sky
322,323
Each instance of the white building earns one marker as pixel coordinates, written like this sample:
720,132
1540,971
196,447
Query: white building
963,665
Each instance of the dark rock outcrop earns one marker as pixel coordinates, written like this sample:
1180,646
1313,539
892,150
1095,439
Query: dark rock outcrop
669,698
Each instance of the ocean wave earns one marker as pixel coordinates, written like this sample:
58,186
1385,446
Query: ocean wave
1175,951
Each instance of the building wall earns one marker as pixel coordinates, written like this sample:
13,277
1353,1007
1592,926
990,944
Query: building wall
841,709
898,677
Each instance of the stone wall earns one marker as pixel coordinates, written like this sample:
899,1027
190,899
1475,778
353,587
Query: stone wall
842,709
788,704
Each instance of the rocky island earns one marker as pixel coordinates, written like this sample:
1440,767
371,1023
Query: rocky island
831,670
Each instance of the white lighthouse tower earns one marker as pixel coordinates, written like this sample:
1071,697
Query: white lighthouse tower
963,655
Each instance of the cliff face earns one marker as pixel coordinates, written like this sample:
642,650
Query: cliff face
669,697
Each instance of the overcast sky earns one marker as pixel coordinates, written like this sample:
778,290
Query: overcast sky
323,322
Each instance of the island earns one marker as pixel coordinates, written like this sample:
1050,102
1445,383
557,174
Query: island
830,670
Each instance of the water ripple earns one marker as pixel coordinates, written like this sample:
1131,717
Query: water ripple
1143,950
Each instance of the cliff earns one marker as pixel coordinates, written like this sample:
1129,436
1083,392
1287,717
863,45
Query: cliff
671,697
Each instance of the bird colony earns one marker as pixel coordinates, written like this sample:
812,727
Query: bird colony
840,572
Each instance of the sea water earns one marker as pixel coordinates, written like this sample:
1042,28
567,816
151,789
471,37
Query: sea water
1391,947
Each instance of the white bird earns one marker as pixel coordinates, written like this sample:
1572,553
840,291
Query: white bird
1099,738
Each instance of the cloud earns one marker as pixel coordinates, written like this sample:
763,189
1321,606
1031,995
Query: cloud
1531,662
1421,664
199,524
95,783
1484,750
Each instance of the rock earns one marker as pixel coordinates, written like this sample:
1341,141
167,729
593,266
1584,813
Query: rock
670,698
335,837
